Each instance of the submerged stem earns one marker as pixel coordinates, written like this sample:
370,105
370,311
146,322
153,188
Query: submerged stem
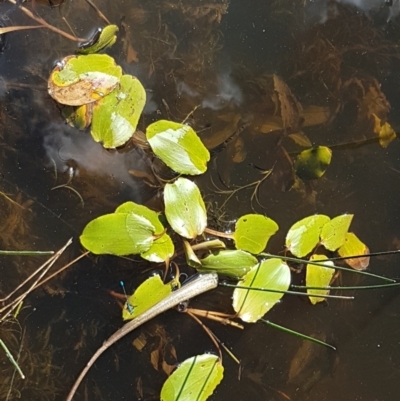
297,334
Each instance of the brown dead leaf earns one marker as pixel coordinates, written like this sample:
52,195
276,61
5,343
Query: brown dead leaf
290,109
316,115
131,55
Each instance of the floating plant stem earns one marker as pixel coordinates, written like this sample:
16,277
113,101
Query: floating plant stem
356,287
310,262
297,334
287,292
365,255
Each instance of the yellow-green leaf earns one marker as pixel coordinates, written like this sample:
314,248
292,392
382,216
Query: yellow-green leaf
312,163
232,263
253,231
102,39
333,233
353,246
79,80
252,305
318,276
304,235
118,234
141,210
160,251
184,208
115,117
178,146
79,117
149,293
195,379
384,131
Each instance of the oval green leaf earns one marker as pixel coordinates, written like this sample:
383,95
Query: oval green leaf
312,163
184,208
106,38
304,235
178,146
161,250
252,305
79,80
318,276
333,233
141,210
353,246
253,231
118,234
149,293
231,263
115,117
194,379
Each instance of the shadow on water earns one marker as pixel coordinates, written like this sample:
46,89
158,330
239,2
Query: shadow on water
331,66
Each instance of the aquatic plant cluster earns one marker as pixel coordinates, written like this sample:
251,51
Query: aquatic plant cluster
96,94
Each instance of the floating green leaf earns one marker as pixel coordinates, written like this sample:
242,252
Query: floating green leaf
191,258
79,117
118,234
251,305
178,146
184,208
161,250
318,276
231,263
312,163
79,80
303,236
333,233
150,215
149,293
115,117
253,231
194,380
104,38
353,246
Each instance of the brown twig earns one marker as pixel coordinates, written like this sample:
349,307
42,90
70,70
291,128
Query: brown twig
45,24
44,268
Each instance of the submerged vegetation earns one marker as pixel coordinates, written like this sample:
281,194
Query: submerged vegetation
171,127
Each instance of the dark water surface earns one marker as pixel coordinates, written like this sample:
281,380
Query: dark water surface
341,63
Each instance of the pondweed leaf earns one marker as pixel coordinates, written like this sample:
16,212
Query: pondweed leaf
312,163
178,146
304,235
79,117
79,80
253,231
252,305
318,276
149,293
118,234
231,263
353,246
195,379
141,210
333,233
115,117
184,208
161,250
106,38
